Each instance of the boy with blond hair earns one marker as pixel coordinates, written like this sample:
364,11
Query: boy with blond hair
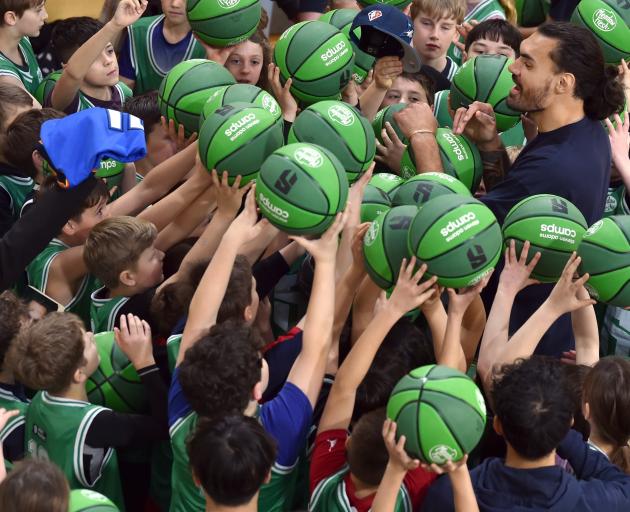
435,29
19,20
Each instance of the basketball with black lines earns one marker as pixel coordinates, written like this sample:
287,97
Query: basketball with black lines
554,227
605,253
237,138
374,202
342,19
386,115
86,500
239,93
531,13
440,411
458,238
421,188
301,187
609,21
115,383
46,86
186,88
387,182
341,129
317,57
385,245
486,78
223,22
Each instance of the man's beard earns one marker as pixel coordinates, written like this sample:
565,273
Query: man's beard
530,101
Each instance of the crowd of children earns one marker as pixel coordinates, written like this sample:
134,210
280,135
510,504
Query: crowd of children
259,364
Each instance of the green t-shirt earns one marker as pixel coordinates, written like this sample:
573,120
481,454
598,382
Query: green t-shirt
149,72
37,273
56,430
29,73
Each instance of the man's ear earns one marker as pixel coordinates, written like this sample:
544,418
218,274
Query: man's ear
247,315
496,424
566,83
127,278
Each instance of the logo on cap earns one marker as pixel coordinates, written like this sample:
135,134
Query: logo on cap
373,15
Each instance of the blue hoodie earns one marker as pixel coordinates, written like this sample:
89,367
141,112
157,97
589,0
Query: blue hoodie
597,485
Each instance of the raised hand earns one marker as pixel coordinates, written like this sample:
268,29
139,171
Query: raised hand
246,226
386,70
410,292
392,149
134,339
177,135
128,12
478,123
415,117
324,249
282,93
516,272
458,301
357,243
568,295
620,143
229,197
396,450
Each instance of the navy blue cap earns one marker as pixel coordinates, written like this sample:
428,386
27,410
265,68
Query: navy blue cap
392,22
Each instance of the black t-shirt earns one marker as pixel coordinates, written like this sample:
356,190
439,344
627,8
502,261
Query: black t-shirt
572,162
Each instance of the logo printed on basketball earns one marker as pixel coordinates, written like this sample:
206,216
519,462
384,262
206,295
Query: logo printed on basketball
286,181
341,115
91,495
441,454
553,232
604,19
559,206
594,228
309,156
106,165
458,149
611,204
371,233
238,128
476,257
228,4
269,103
333,54
456,227
283,215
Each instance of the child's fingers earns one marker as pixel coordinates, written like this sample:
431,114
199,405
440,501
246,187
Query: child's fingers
123,325
524,253
534,261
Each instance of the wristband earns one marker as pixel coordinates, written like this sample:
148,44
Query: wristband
416,132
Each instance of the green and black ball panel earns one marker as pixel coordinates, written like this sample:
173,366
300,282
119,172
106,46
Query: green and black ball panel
375,201
458,238
301,187
387,182
421,188
554,227
386,115
385,244
240,93
224,22
317,57
609,21
486,78
186,88
341,129
87,500
605,253
237,138
440,411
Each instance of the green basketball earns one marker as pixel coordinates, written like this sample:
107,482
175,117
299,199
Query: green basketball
109,167
186,88
609,21
240,93
85,500
223,22
386,115
375,202
531,13
46,86
553,226
440,411
237,138
460,159
387,182
385,245
486,78
421,188
301,187
458,238
318,57
605,253
342,19
115,383
341,129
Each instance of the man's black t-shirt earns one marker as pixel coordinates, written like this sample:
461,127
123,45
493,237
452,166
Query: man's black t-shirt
572,162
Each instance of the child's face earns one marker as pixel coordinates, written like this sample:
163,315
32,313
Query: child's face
32,20
104,70
148,270
160,147
90,218
433,36
246,62
175,11
90,353
404,91
488,47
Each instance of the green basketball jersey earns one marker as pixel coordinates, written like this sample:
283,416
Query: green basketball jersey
37,273
104,312
484,10
29,73
56,429
149,74
330,496
11,402
172,350
18,188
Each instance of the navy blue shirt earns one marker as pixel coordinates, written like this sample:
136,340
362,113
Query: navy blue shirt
572,162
